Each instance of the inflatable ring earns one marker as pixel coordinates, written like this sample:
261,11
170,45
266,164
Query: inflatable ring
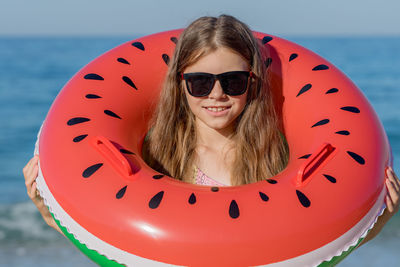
118,210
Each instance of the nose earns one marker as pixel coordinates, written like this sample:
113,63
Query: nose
217,92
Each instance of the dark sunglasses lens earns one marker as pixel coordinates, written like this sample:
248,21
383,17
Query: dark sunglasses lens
199,84
234,83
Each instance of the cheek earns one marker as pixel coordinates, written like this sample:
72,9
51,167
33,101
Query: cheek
241,102
193,102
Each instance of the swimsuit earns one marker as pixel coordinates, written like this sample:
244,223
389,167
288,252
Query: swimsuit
202,179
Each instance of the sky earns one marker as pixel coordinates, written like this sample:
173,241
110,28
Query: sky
127,17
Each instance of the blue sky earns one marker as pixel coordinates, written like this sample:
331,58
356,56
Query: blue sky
127,17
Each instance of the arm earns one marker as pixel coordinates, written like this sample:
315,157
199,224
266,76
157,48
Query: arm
392,204
30,173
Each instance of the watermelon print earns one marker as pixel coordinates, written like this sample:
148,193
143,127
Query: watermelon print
119,211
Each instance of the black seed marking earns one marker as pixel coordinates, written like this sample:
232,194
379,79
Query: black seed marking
332,90
129,81
158,176
156,200
123,150
304,89
214,189
121,192
320,67
266,39
271,181
321,122
293,56
303,199
356,157
234,210
79,138
330,178
268,62
174,40
138,45
92,96
263,196
93,76
90,170
305,156
192,199
165,57
123,60
343,132
351,109
112,114
77,120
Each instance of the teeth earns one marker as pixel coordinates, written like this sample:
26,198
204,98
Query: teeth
215,109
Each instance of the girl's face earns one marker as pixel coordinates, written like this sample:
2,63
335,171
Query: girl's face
217,110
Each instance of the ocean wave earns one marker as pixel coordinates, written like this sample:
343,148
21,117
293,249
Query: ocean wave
22,222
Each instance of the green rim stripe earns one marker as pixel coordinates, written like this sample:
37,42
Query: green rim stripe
104,261
337,259
92,254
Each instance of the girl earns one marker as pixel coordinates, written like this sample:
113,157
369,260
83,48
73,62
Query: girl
219,109
214,110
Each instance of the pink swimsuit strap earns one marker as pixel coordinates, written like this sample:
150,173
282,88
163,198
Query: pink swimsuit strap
202,179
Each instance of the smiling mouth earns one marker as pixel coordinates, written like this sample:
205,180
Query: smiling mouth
217,109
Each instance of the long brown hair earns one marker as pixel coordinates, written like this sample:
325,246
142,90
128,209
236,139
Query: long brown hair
260,151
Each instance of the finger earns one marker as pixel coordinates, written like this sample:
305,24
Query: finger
33,190
29,165
389,204
392,172
31,178
35,196
32,174
396,179
33,160
391,175
35,171
393,179
391,188
393,194
391,168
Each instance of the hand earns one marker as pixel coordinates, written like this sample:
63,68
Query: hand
393,196
30,173
392,204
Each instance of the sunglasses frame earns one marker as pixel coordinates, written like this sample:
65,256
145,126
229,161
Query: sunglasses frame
215,77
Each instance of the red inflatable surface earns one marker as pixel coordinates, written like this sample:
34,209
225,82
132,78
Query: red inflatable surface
90,150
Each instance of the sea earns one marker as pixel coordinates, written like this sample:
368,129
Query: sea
34,69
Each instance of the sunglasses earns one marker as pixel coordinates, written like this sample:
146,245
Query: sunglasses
233,83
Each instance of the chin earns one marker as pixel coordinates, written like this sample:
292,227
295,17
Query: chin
219,126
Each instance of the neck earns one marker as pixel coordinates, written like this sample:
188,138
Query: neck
214,138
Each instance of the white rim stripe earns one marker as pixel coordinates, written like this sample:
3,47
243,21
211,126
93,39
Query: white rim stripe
313,258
